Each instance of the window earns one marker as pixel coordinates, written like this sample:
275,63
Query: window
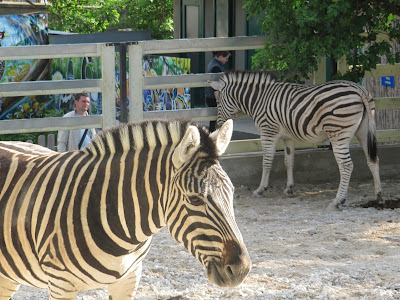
192,19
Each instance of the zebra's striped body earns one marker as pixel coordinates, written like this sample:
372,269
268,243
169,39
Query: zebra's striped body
336,110
85,219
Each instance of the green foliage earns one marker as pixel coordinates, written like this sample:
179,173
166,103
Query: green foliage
82,16
90,16
153,15
301,32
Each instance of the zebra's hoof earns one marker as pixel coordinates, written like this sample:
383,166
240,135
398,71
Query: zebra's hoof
333,206
256,194
289,192
378,196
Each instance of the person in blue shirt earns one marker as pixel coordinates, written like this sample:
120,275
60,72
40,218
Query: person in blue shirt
216,65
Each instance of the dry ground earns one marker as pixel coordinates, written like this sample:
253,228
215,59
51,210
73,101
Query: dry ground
299,251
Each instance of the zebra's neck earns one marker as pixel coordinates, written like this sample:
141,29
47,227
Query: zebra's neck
250,87
126,175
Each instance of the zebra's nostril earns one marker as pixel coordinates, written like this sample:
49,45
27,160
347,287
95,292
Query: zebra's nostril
229,271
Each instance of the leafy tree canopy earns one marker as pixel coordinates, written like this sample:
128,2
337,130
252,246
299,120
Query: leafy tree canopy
89,16
83,16
153,15
301,32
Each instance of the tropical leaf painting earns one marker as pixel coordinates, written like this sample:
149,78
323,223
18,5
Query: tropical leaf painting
28,30
23,30
166,99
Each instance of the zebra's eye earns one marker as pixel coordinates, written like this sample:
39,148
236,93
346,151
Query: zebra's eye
196,200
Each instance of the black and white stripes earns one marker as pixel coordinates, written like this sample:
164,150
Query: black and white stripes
336,110
85,219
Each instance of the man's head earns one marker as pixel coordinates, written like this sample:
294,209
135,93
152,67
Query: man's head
82,103
222,56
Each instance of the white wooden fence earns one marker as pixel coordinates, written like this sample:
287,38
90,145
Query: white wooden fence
106,85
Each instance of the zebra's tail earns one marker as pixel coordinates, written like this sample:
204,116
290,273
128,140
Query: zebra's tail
369,105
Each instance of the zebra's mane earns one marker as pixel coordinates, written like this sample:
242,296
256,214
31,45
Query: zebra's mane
248,76
147,135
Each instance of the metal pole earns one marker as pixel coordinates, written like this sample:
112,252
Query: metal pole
123,88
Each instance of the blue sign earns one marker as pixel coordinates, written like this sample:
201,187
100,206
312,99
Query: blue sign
388,81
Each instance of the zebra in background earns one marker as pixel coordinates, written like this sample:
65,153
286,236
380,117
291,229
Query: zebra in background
84,219
336,110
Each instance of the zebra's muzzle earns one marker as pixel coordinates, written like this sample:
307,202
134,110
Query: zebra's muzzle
233,268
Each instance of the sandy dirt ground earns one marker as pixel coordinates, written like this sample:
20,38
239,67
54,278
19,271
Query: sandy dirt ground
298,250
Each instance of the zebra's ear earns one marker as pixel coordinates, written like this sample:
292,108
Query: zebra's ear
216,85
222,136
187,147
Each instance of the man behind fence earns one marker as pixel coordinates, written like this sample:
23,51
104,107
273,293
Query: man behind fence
78,138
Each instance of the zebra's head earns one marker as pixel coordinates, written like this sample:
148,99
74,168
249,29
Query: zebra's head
228,107
237,92
201,215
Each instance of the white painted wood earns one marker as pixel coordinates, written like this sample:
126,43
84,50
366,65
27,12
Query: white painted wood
180,81
34,88
49,124
49,51
108,85
135,54
202,45
195,114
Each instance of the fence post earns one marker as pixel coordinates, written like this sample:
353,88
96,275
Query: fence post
319,76
51,142
108,84
135,53
42,140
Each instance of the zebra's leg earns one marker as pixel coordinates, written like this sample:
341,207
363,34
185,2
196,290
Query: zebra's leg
125,288
289,162
268,146
59,292
342,155
362,136
7,288
61,283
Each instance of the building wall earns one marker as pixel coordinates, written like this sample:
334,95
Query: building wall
221,18
240,30
21,7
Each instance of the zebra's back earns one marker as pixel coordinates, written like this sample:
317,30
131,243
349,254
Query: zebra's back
336,110
312,113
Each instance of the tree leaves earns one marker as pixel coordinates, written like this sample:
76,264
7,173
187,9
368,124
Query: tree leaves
89,16
301,32
84,16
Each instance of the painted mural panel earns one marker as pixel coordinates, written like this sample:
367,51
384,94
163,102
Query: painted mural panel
23,30
159,99
75,68
90,68
166,99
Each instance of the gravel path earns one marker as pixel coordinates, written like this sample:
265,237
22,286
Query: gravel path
298,250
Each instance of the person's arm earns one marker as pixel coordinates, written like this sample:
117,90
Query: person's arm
62,140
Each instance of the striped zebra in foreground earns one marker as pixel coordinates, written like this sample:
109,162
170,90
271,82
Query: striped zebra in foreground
85,219
336,110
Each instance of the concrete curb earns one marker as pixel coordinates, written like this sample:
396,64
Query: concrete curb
311,166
